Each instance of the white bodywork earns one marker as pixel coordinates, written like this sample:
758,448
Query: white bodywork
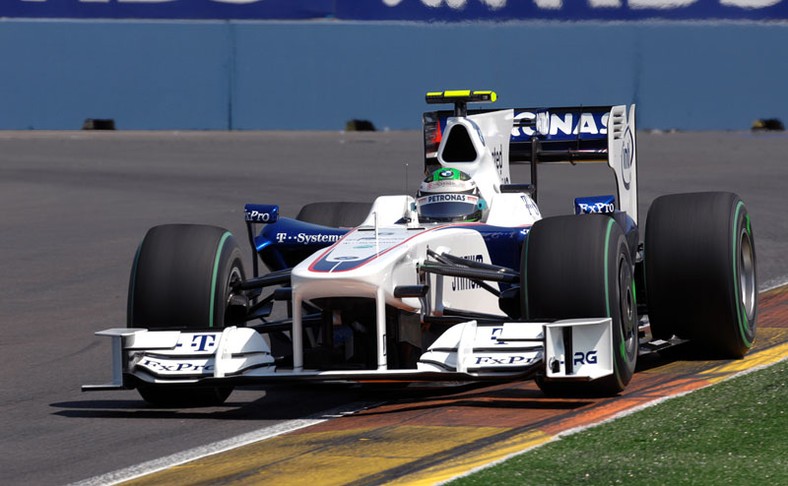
386,252
390,257
489,133
374,259
622,157
465,351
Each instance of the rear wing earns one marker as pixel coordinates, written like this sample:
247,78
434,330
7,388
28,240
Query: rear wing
563,134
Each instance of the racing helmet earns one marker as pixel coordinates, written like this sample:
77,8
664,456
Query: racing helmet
449,195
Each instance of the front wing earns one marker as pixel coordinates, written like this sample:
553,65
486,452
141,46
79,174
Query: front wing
567,350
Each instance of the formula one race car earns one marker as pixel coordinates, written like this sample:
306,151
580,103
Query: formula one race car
464,282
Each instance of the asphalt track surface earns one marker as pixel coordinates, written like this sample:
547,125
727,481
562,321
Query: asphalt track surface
76,204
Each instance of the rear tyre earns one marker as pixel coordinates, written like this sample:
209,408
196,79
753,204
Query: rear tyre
701,281
182,279
581,267
335,214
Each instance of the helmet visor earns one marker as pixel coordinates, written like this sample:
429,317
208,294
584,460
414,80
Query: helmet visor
448,207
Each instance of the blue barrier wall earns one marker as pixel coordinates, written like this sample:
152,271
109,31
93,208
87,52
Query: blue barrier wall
317,75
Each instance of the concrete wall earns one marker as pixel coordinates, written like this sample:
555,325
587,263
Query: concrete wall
317,75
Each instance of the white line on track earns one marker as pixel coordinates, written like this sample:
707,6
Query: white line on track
178,458
773,284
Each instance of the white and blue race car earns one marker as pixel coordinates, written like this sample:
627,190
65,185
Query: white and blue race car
464,282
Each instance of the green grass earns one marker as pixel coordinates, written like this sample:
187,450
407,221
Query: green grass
735,432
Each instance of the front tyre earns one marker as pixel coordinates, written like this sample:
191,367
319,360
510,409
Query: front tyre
701,281
182,279
581,267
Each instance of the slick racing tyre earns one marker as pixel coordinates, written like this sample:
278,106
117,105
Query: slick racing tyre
700,271
335,214
182,278
581,267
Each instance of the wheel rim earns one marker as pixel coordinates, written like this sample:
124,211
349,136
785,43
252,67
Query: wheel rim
234,277
747,275
627,304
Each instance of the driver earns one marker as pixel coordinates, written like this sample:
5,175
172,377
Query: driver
449,195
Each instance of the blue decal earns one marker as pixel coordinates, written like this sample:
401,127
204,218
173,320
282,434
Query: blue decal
565,10
171,9
261,213
287,242
581,358
561,125
408,10
340,264
201,342
595,205
504,244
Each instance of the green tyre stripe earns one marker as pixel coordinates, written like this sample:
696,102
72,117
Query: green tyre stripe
215,275
741,316
622,348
